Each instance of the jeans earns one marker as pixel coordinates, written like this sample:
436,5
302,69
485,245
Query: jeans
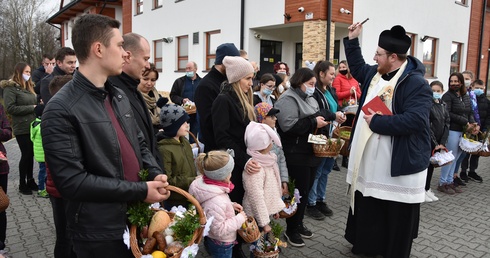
319,188
26,162
217,249
459,161
447,171
41,177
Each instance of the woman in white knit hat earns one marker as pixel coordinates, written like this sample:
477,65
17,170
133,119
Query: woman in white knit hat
232,111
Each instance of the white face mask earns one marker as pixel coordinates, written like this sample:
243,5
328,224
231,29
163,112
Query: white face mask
280,89
309,90
467,83
26,77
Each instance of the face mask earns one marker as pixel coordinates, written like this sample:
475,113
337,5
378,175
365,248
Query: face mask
288,84
267,92
343,72
478,92
467,83
309,90
281,72
436,95
189,74
280,89
26,77
455,87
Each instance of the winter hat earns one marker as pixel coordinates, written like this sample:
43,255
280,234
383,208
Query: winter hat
172,117
395,40
264,109
221,174
278,79
226,49
259,136
236,68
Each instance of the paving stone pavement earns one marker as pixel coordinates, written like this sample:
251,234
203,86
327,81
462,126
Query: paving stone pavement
455,226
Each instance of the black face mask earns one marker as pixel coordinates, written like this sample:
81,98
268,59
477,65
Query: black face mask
343,72
455,87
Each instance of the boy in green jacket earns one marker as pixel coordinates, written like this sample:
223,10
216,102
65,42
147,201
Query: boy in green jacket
39,150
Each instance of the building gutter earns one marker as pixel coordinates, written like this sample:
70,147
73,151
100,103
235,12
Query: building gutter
242,22
480,43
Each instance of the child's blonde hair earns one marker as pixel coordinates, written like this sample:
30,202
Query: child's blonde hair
214,160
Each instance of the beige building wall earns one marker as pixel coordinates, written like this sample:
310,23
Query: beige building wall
314,40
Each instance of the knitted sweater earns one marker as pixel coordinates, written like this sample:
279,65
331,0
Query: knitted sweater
262,194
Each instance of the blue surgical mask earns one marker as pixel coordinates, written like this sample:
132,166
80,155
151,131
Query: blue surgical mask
189,74
436,95
309,90
478,92
267,92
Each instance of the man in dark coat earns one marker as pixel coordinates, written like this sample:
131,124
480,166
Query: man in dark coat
208,90
138,50
66,63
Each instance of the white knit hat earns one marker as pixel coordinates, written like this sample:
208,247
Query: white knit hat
237,68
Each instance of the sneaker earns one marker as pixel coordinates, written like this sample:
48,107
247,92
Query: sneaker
324,209
335,166
294,239
445,189
32,184
3,158
459,182
456,188
43,193
24,189
431,195
463,176
475,177
314,213
427,198
304,232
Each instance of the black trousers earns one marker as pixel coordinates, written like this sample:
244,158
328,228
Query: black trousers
3,215
26,163
303,177
473,160
101,249
63,246
430,172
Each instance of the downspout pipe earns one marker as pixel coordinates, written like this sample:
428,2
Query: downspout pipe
242,22
329,25
480,43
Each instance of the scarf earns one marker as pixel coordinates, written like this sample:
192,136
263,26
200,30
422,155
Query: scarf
363,132
474,106
266,160
151,105
331,101
294,105
210,181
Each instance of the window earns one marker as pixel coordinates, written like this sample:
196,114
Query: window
139,7
183,52
455,57
429,59
157,54
212,41
411,50
157,4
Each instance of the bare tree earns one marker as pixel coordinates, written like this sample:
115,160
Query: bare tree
25,36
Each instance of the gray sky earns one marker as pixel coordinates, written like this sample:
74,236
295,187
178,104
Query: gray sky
51,6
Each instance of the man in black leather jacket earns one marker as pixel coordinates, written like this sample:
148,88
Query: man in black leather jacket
138,51
94,147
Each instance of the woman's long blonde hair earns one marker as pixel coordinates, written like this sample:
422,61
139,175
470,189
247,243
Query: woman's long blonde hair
17,77
212,160
246,99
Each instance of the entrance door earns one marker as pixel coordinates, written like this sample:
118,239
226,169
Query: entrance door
270,53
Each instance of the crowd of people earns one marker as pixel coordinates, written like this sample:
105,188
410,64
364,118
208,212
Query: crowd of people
92,129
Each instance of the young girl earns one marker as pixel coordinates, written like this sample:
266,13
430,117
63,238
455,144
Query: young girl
439,127
211,190
262,190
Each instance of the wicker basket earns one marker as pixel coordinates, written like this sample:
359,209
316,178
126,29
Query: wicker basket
338,133
251,232
329,150
196,238
189,109
285,215
4,200
436,165
272,254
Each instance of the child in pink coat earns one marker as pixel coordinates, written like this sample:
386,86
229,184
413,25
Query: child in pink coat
263,190
211,190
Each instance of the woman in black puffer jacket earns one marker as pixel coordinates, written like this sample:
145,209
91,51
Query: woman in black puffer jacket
459,108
